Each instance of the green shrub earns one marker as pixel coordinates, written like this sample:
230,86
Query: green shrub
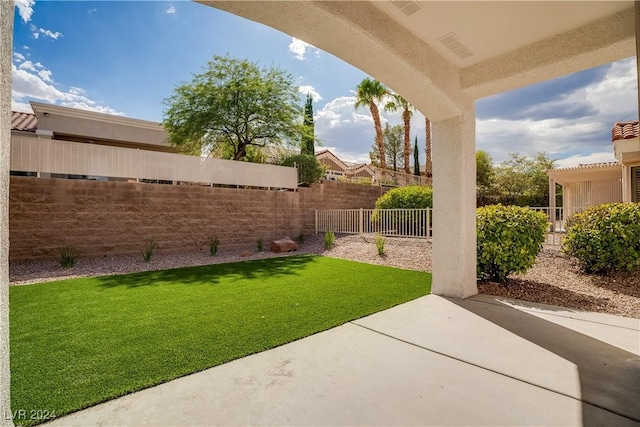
380,244
329,238
259,244
410,197
149,249
214,242
300,238
605,238
509,239
67,255
310,170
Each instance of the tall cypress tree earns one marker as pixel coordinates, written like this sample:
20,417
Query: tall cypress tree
309,136
416,159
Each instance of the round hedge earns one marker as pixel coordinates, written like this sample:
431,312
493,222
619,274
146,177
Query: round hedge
605,237
410,197
309,168
509,239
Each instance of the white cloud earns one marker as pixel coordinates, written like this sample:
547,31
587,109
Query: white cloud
35,82
612,99
171,9
27,65
299,48
310,90
23,107
92,10
25,9
51,34
18,57
578,159
45,75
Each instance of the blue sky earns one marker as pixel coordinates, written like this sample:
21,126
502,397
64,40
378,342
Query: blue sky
125,57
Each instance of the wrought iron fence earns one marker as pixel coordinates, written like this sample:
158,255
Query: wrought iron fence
388,222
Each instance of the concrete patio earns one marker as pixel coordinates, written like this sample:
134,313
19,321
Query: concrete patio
432,361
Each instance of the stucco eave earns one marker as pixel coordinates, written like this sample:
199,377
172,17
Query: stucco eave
362,35
600,42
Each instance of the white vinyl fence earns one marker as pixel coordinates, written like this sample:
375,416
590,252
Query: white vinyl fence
387,222
73,158
417,222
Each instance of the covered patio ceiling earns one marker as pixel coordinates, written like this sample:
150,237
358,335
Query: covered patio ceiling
463,48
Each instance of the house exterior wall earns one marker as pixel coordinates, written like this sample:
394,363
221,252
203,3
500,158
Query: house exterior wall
108,218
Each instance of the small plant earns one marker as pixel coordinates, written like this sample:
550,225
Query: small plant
213,245
329,238
380,244
67,255
149,249
605,238
509,239
259,244
300,238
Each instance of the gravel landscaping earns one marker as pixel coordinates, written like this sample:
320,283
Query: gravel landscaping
555,279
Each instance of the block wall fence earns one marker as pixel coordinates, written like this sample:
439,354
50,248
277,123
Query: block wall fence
113,218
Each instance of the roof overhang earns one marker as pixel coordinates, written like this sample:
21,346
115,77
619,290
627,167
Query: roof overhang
597,172
627,151
90,125
421,48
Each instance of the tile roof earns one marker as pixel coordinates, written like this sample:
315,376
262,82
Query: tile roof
23,121
625,130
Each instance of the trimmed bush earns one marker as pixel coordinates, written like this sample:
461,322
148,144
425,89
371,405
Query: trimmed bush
605,238
509,239
410,197
310,170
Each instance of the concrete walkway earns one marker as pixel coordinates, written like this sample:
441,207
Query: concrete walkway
432,361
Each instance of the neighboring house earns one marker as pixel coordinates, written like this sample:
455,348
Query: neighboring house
338,169
62,142
593,184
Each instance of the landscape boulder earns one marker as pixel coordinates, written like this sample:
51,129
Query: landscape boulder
284,245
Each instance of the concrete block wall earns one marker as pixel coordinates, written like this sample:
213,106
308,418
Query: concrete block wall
109,218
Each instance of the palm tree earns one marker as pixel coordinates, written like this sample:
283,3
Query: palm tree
428,168
397,102
367,93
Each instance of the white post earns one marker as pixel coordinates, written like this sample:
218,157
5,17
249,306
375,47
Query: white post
316,215
360,221
454,206
552,203
6,40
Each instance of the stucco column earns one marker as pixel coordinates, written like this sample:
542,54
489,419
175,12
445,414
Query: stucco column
6,40
454,206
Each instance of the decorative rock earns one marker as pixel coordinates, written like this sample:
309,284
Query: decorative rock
284,245
245,254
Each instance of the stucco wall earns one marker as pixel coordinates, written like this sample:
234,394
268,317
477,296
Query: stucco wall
107,218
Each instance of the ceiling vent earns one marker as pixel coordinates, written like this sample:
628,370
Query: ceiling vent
407,7
453,43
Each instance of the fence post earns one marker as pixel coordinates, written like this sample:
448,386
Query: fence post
360,221
316,221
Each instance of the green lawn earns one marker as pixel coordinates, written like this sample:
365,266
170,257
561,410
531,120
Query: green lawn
75,343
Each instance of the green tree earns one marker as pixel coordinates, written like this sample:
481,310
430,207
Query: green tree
368,92
396,103
308,138
524,180
310,170
416,158
234,103
484,174
392,140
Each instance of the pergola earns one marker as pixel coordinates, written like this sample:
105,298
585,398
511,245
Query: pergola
441,57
